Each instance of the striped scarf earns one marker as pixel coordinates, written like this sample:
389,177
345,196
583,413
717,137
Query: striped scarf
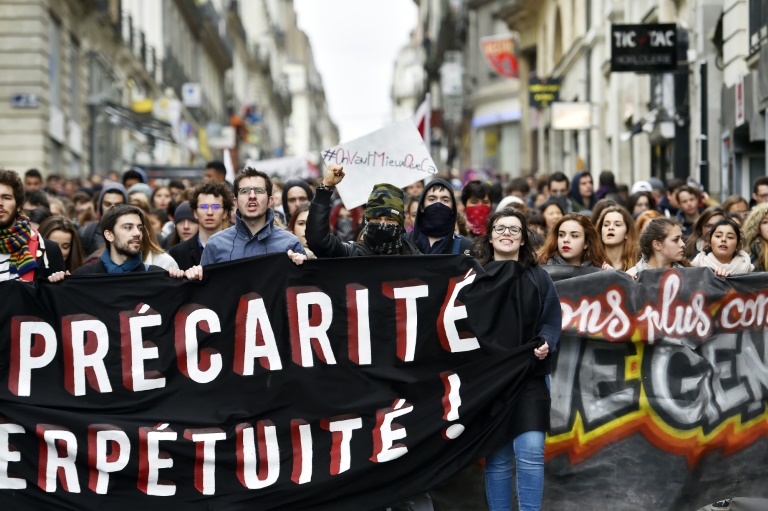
13,241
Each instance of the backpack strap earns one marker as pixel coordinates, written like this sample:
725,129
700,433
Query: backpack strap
32,245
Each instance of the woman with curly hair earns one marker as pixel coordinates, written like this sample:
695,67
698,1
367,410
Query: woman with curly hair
573,240
506,239
756,236
722,252
661,247
618,237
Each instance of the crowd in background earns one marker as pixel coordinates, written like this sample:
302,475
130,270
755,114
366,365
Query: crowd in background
572,221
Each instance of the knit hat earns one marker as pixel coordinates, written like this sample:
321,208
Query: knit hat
183,212
142,188
386,200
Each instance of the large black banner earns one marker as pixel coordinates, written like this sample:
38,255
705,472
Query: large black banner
355,383
659,390
340,384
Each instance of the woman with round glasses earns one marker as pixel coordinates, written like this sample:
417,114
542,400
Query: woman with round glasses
506,239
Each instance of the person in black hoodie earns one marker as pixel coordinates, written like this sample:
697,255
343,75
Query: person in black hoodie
90,235
295,192
435,224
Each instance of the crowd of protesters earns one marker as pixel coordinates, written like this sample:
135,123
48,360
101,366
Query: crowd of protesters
57,227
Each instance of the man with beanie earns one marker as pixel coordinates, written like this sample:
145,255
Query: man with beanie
296,192
24,254
90,236
435,225
384,222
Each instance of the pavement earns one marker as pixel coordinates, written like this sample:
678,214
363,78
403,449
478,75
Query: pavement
463,492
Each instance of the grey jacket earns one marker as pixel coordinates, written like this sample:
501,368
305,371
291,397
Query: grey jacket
237,242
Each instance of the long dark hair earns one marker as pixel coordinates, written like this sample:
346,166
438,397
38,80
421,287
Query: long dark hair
736,229
59,223
483,251
594,251
697,232
629,251
657,230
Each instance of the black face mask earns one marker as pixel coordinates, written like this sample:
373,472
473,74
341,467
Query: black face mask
344,228
437,220
384,239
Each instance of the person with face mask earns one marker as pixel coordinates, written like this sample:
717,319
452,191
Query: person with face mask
434,227
344,222
476,197
384,222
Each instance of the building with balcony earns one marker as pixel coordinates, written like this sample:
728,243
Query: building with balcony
638,125
742,42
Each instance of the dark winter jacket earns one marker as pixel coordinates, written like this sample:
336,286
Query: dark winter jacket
324,244
450,244
188,253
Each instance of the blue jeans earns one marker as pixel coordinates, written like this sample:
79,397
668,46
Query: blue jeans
527,450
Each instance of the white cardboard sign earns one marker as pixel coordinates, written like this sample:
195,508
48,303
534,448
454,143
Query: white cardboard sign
395,154
285,168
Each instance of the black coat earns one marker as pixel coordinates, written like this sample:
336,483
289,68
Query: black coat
445,246
188,253
50,251
324,244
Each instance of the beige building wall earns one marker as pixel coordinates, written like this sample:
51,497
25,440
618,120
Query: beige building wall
36,34
577,50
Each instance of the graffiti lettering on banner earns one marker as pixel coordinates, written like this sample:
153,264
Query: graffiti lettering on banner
678,358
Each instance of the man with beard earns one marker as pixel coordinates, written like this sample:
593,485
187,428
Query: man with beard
254,232
384,217
435,224
122,227
211,204
24,254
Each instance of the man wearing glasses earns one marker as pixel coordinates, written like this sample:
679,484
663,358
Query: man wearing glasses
254,232
211,204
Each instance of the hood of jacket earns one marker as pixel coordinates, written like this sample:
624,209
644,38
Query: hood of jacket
435,182
112,188
575,195
292,183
